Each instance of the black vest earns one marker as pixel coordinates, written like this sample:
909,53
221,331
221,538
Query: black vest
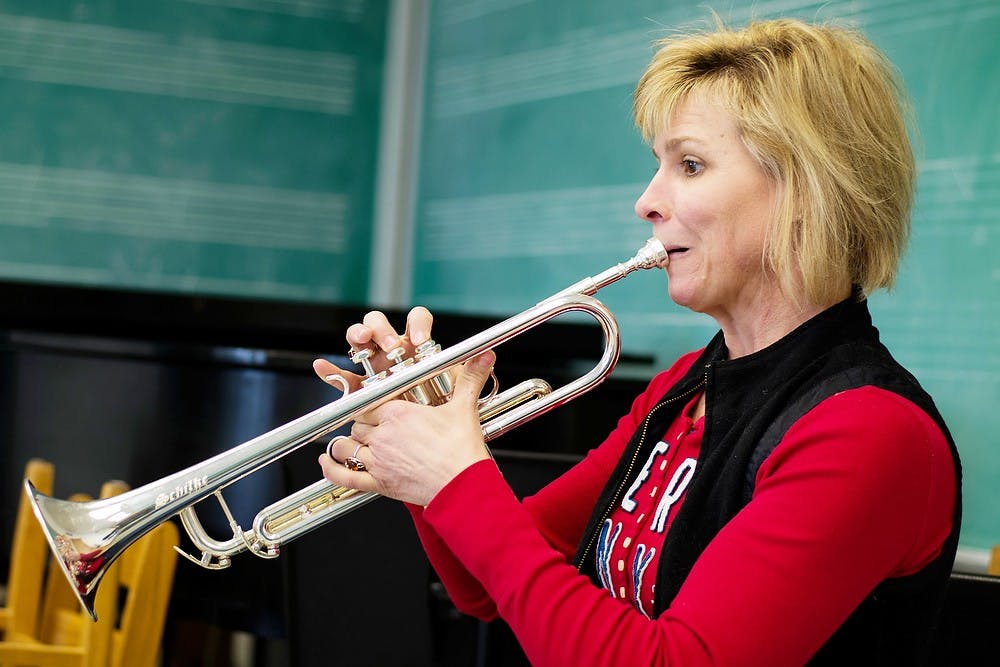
750,404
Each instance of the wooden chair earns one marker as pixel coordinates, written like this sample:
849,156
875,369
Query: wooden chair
28,555
126,635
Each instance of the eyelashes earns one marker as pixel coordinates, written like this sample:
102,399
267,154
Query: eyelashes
691,167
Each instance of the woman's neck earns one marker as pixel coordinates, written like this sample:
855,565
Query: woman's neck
764,325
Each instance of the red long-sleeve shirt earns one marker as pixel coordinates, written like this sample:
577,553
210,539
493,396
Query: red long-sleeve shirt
860,489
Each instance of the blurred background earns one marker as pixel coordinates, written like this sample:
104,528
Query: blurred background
197,197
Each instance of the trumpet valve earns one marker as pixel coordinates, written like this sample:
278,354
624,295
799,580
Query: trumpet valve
439,387
417,394
426,349
395,355
363,359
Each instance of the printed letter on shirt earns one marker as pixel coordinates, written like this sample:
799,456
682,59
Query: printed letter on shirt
605,543
628,504
678,485
639,564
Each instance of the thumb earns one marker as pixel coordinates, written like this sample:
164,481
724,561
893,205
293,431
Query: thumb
328,372
472,378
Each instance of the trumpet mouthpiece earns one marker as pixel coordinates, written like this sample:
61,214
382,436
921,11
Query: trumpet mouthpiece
652,255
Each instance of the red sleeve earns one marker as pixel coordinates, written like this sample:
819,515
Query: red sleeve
559,511
860,489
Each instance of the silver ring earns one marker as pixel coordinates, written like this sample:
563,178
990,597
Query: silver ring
329,446
352,462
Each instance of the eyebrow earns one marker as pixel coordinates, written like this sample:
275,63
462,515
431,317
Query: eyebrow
677,141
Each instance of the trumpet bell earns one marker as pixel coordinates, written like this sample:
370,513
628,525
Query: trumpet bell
82,537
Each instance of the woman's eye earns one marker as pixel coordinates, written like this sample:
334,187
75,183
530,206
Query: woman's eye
691,167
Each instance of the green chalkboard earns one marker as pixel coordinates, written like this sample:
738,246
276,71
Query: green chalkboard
530,168
220,147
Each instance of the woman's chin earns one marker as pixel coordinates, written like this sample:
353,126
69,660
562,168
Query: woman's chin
683,295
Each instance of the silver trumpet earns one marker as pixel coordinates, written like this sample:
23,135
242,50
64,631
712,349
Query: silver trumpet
87,537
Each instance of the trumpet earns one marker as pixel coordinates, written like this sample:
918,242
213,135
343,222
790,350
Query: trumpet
87,537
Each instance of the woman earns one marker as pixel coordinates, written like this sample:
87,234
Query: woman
788,493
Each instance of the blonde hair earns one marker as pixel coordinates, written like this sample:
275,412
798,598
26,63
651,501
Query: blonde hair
822,111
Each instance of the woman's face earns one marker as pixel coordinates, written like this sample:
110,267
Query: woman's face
710,204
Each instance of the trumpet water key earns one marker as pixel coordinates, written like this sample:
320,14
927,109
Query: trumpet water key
87,537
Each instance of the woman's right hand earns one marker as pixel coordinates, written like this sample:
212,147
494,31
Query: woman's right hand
376,334
402,449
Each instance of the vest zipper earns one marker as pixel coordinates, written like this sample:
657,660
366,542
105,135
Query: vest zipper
635,453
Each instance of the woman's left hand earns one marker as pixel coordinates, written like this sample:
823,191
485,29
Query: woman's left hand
411,451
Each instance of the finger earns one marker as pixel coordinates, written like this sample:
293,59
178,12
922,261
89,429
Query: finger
336,473
360,432
359,336
342,446
382,332
380,413
418,325
349,452
472,378
327,371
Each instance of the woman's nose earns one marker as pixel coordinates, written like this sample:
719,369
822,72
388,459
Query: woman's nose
651,204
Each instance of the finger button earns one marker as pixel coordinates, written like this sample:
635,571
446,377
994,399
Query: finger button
363,358
426,349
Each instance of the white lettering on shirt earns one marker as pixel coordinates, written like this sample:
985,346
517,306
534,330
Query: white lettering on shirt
678,485
628,504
